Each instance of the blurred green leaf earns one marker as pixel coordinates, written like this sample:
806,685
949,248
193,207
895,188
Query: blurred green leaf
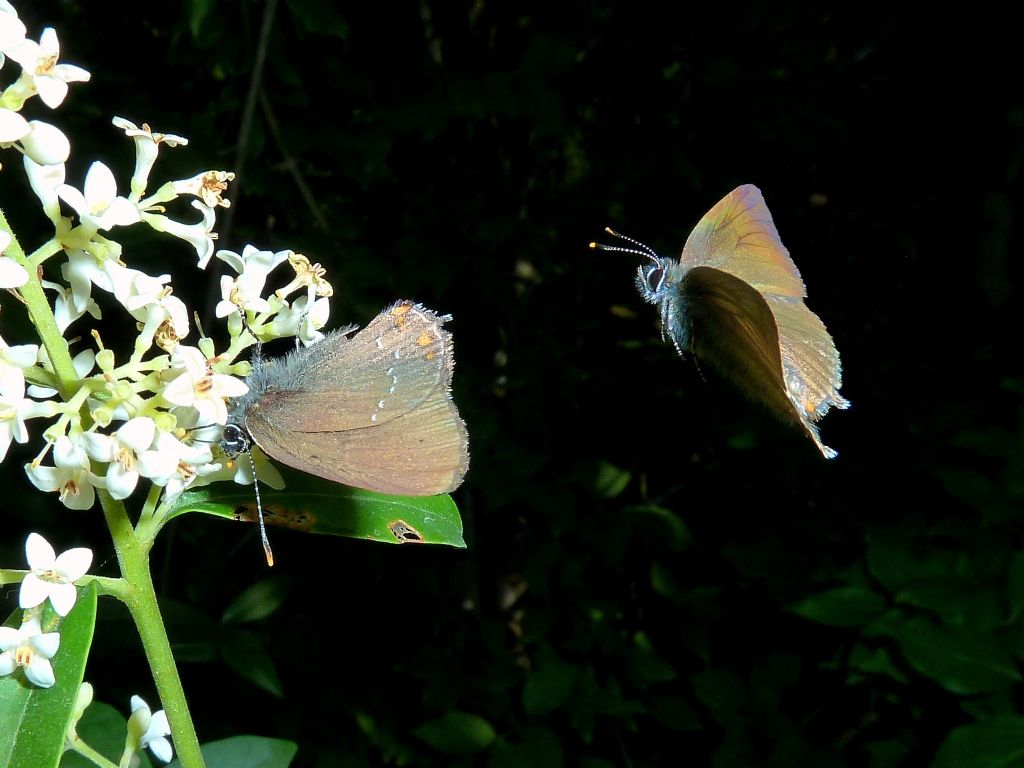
675,712
257,601
103,728
549,684
247,752
875,661
646,663
319,18
960,661
667,527
537,748
609,481
33,720
457,733
315,505
994,743
895,567
722,692
246,653
956,602
841,607
1015,586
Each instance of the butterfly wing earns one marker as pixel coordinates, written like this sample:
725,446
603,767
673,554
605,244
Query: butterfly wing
732,329
738,236
421,452
374,411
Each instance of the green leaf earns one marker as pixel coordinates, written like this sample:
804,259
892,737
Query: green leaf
646,663
548,685
538,748
962,662
103,728
247,752
256,602
895,567
457,733
247,655
994,743
841,607
33,721
316,505
319,18
666,526
875,661
675,712
609,481
1015,586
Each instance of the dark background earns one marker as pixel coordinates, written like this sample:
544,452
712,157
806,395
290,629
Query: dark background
657,572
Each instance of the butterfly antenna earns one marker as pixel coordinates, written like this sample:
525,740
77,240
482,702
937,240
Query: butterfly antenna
257,352
641,249
259,512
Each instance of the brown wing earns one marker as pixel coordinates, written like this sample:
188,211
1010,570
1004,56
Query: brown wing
384,371
733,330
422,452
738,236
373,411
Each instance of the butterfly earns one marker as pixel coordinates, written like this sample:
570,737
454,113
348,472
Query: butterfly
735,300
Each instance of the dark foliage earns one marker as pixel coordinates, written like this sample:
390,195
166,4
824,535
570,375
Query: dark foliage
657,573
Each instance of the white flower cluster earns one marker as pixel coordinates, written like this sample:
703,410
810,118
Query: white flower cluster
127,417
49,578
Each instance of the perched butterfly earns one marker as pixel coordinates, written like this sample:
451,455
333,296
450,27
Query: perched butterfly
735,300
372,411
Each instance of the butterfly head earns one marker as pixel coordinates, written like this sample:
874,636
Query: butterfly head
654,280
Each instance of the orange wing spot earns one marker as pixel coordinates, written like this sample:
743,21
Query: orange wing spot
430,355
399,314
424,339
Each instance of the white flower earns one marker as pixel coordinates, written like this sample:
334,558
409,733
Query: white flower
150,730
148,299
12,274
209,186
44,180
175,465
121,451
46,76
65,312
83,363
71,475
245,291
15,408
13,127
31,649
297,320
14,360
98,206
146,146
46,144
12,30
199,387
52,576
200,234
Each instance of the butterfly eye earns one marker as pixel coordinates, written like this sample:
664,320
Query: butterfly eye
234,441
655,277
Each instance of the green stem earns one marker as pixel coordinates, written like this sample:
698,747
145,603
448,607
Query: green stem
42,317
140,598
79,746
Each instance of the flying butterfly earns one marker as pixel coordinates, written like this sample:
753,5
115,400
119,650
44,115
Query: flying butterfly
735,300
